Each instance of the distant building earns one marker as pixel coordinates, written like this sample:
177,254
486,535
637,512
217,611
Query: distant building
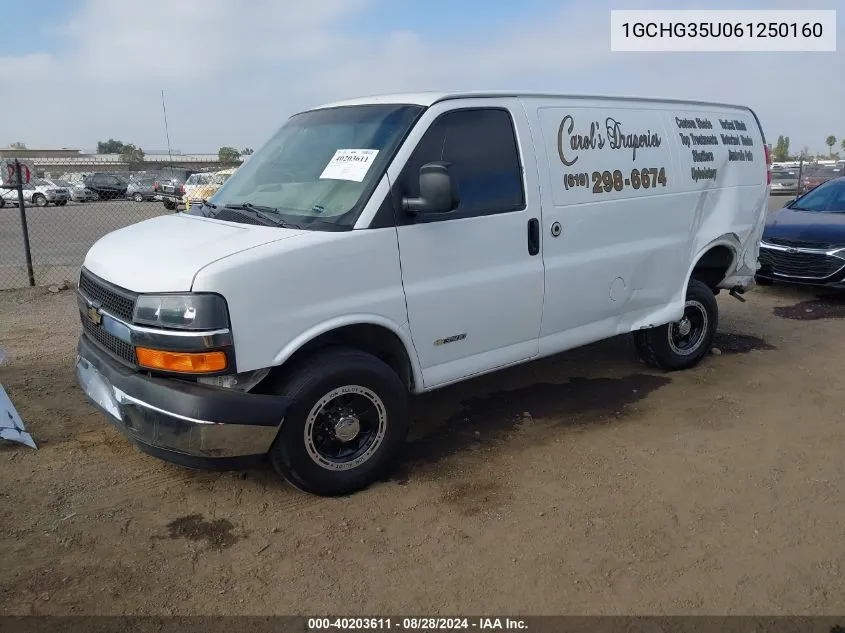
59,161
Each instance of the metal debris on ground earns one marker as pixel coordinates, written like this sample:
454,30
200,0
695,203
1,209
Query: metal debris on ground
11,425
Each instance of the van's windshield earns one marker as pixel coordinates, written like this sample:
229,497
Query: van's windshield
320,167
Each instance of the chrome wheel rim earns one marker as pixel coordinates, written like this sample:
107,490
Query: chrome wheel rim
687,335
345,428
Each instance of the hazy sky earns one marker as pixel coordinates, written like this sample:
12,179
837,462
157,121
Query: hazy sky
232,72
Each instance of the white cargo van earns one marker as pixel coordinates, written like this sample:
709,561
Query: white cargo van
389,246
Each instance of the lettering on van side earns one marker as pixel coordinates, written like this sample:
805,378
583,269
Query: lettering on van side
699,173
694,124
613,137
740,155
733,124
607,181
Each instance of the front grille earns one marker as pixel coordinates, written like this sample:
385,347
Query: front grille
113,344
804,265
115,301
825,246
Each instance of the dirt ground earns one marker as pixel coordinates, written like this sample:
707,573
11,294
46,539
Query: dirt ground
581,484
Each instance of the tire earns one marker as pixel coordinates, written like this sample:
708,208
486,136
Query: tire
137,197
61,203
39,200
665,347
762,281
380,400
168,204
2,202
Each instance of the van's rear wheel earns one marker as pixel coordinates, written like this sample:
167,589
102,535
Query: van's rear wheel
682,345
346,424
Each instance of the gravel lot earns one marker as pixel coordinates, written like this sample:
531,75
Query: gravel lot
580,484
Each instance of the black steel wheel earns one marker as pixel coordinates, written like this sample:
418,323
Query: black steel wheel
682,345
346,424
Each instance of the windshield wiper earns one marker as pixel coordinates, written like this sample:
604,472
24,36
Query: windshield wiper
206,203
261,212
265,213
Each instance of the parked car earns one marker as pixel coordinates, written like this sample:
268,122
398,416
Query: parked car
804,243
78,193
107,186
141,189
8,197
814,176
482,239
170,185
202,186
75,178
784,181
39,192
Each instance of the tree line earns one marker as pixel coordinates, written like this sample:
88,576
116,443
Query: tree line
780,151
133,155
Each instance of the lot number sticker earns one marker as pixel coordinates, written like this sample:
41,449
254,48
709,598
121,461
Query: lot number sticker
349,164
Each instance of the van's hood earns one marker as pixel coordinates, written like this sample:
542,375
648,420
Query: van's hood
164,254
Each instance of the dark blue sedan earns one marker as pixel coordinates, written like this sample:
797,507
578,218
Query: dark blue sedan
804,243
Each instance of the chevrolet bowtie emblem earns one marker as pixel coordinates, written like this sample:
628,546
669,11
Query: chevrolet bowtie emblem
94,315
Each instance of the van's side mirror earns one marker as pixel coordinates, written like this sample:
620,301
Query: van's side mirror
438,190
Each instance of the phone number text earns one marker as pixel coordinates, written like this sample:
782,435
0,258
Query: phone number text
607,181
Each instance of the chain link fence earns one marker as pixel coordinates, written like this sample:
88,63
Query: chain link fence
69,207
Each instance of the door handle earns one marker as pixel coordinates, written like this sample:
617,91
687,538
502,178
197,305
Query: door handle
533,236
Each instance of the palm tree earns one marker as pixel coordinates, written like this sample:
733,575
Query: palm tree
830,141
842,145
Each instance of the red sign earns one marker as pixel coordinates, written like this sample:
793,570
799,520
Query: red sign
10,177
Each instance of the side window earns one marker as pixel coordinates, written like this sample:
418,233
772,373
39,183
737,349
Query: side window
481,145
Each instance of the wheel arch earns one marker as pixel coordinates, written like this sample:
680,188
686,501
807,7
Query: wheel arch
372,334
714,262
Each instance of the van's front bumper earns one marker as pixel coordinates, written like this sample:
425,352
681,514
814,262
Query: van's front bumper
178,421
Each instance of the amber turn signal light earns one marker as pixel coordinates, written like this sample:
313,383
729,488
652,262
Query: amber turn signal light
188,363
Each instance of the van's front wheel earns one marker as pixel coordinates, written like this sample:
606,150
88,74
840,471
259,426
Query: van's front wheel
682,345
346,424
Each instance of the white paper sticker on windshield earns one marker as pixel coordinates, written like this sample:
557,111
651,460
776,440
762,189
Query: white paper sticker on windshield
349,164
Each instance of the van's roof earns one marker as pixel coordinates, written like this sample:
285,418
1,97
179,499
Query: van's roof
430,98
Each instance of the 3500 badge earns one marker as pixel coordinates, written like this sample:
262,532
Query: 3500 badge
607,181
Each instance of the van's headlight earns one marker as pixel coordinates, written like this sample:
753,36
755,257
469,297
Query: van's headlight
184,312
